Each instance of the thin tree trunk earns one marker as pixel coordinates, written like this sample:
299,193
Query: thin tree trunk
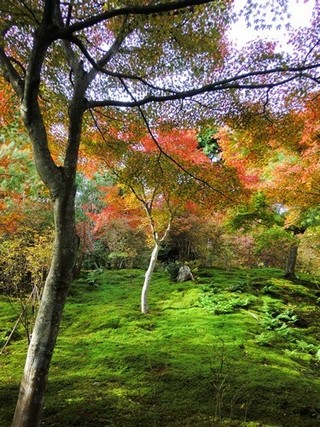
32,389
153,258
147,278
291,262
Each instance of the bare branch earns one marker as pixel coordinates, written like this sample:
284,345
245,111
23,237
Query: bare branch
107,116
139,79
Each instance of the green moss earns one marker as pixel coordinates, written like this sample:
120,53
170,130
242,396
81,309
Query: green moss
182,364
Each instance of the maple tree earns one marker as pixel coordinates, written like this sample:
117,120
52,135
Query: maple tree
118,228
195,236
69,63
88,203
21,190
162,186
280,155
293,171
292,174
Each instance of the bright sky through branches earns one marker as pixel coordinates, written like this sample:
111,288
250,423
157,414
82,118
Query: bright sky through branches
300,16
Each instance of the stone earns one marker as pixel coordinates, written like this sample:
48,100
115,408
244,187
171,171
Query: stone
184,274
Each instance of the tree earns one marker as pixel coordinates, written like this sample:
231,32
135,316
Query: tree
24,262
162,186
196,235
271,222
69,63
293,170
118,229
21,190
89,203
277,155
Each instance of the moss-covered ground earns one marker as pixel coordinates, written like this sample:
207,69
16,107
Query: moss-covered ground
233,348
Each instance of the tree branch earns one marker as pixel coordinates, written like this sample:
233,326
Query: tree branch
97,66
10,74
129,10
49,12
161,150
230,83
31,12
166,232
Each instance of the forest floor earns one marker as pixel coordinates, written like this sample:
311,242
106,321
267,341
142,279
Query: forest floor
234,348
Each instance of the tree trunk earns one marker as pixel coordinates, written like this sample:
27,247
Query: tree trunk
291,262
147,278
32,389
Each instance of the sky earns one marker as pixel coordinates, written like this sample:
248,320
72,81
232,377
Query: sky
300,12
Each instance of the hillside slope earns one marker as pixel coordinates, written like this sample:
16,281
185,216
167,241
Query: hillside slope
233,348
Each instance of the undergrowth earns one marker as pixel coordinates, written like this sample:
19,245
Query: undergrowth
235,348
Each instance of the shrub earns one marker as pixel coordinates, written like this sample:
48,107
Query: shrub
24,261
173,270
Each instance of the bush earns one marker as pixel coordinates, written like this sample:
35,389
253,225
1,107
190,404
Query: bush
173,270
25,261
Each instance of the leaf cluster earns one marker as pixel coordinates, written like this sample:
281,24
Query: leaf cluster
257,213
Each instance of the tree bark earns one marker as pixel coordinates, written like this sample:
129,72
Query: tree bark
32,389
147,278
291,262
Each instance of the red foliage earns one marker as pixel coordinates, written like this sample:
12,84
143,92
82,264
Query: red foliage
181,144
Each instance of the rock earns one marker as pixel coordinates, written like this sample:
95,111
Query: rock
184,274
